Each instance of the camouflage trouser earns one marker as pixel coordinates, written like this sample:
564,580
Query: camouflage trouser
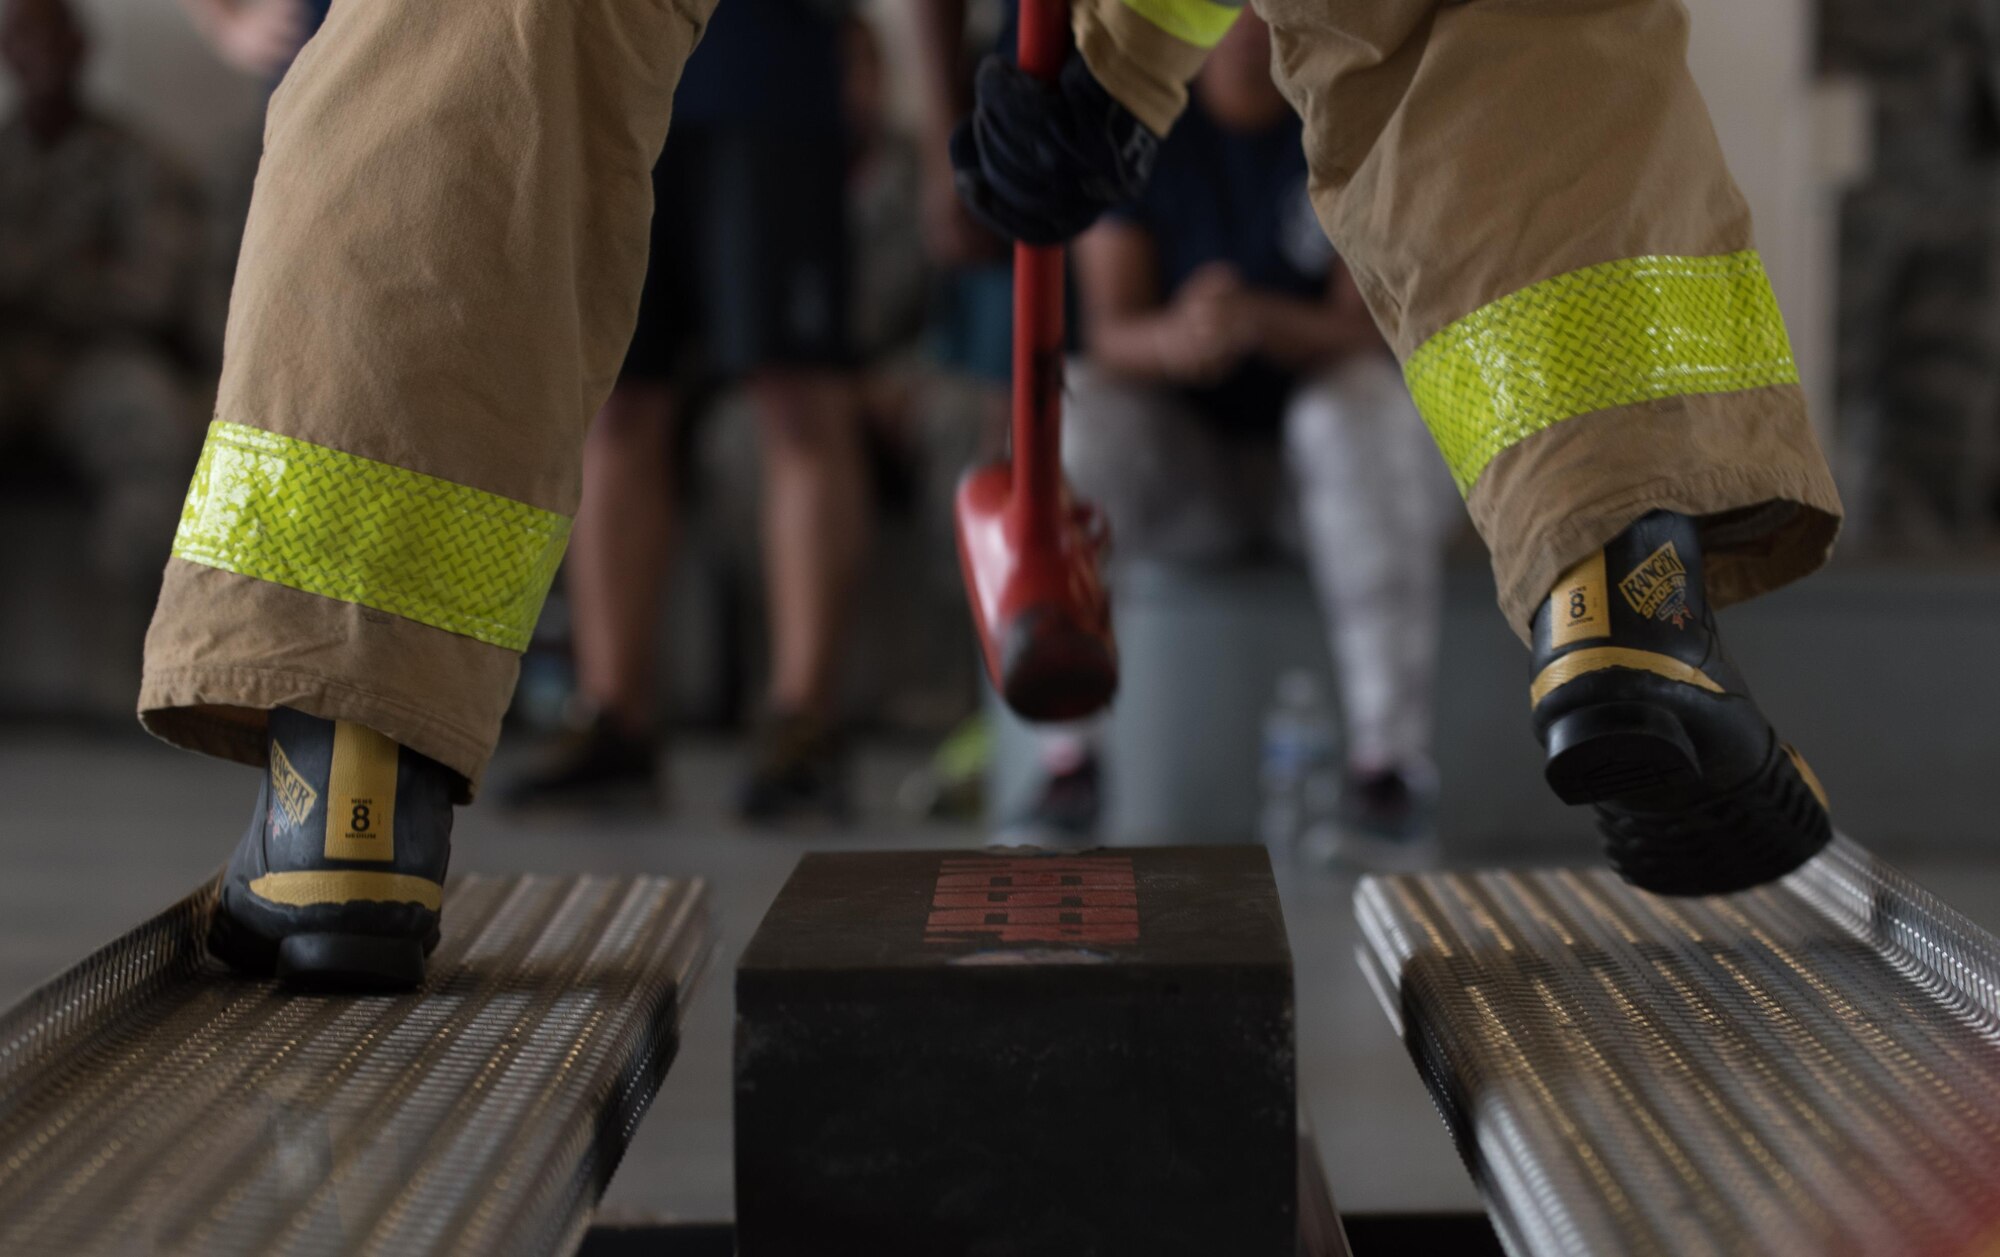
1920,357
443,260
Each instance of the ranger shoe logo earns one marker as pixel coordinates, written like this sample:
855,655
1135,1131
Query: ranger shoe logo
294,793
1657,588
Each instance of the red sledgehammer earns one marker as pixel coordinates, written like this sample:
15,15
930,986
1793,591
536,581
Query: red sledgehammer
1030,551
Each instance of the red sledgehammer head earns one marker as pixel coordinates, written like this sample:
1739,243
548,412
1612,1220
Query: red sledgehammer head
1037,597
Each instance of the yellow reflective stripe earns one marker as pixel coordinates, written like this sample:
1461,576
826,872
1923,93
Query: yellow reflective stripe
334,886
1596,659
1630,331
1202,23
279,509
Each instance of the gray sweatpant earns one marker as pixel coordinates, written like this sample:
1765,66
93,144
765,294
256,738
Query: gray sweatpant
1357,489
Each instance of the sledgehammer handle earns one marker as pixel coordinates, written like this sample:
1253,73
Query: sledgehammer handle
1035,508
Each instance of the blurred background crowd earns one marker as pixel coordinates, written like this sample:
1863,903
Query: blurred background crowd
763,557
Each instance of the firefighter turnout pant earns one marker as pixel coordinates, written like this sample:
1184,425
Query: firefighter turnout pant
442,267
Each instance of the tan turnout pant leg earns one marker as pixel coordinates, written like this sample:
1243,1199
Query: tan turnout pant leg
437,285
1532,199
1531,196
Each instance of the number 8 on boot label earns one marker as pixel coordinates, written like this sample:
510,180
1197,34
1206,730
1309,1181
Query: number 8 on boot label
361,795
1581,610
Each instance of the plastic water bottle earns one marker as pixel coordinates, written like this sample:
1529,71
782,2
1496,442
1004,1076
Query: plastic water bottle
1301,787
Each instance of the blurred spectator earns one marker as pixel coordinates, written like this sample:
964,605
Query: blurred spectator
748,280
100,254
258,37
971,325
890,271
1225,347
884,180
889,268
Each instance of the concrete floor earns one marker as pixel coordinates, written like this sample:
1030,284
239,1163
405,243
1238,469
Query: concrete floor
97,833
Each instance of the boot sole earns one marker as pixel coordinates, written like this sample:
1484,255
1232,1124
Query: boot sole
330,962
1611,750
244,951
1748,836
350,962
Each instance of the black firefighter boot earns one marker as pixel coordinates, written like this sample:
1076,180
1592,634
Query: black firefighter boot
338,880
1644,717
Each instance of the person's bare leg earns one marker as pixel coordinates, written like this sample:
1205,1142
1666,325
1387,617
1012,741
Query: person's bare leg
619,551
621,546
815,519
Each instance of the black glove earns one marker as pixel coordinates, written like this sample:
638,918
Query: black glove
1038,162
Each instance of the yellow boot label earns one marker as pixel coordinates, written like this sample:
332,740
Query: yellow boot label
293,792
1580,609
317,886
1657,588
361,795
1597,658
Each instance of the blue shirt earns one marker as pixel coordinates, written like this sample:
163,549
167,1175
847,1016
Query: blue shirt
1236,197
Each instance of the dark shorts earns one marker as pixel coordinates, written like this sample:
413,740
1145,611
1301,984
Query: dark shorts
749,255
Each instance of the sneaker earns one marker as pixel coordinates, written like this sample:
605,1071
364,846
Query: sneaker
1069,806
1385,822
951,784
338,881
1644,718
598,767
798,769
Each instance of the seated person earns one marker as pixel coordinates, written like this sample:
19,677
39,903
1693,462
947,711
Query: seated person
100,272
1223,347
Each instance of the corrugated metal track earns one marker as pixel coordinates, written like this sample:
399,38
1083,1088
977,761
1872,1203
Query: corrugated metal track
1812,1068
152,1103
